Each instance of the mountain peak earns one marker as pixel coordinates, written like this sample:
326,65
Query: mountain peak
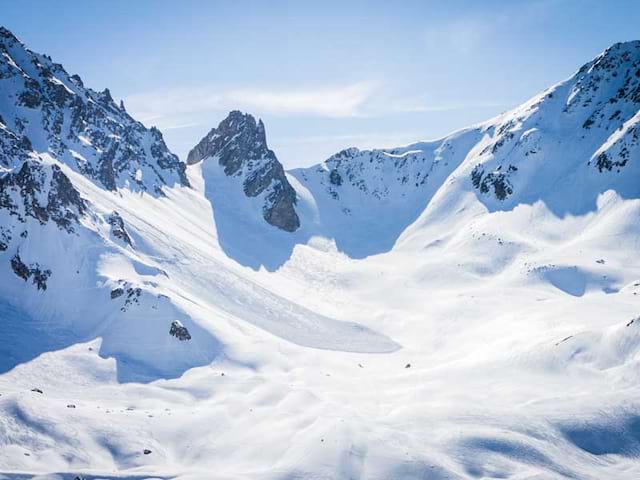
6,34
621,47
239,144
46,110
239,126
614,59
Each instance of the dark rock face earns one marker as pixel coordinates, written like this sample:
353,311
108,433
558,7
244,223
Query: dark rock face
5,238
24,271
239,145
117,292
118,229
497,181
335,178
133,298
14,148
179,331
78,126
42,192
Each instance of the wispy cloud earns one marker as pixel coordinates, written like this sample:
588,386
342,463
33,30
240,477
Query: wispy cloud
169,105
180,125
346,101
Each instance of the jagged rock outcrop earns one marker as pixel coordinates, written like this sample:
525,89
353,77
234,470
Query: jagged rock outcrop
44,110
179,331
42,192
118,229
38,275
239,145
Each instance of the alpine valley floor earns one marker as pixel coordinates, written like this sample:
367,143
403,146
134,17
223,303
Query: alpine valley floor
506,364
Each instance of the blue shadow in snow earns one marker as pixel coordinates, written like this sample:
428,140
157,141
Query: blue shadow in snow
25,338
621,438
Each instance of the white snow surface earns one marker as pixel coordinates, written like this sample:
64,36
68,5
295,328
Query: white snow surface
414,327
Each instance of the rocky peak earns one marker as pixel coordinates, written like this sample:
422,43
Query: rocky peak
7,34
239,145
598,112
46,110
613,77
238,139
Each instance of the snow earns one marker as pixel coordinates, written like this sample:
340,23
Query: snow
408,329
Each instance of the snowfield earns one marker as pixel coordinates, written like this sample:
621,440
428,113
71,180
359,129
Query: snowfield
464,308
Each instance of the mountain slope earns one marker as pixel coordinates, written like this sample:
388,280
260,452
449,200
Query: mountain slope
434,313
579,136
80,179
82,128
564,147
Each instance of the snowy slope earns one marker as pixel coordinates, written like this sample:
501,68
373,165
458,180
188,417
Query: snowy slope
76,250
435,314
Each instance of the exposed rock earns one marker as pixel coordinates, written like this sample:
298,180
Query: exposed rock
118,229
179,331
335,178
239,145
133,297
497,181
25,272
78,126
5,238
117,292
40,277
20,268
42,192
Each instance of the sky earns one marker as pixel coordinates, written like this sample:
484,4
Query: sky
322,75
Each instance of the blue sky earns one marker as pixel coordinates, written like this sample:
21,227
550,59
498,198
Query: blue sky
322,75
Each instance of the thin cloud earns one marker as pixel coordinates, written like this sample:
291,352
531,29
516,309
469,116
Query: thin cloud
180,125
344,101
335,102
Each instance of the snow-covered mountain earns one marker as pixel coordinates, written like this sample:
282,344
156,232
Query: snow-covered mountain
459,308
565,146
61,144
239,147
364,200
